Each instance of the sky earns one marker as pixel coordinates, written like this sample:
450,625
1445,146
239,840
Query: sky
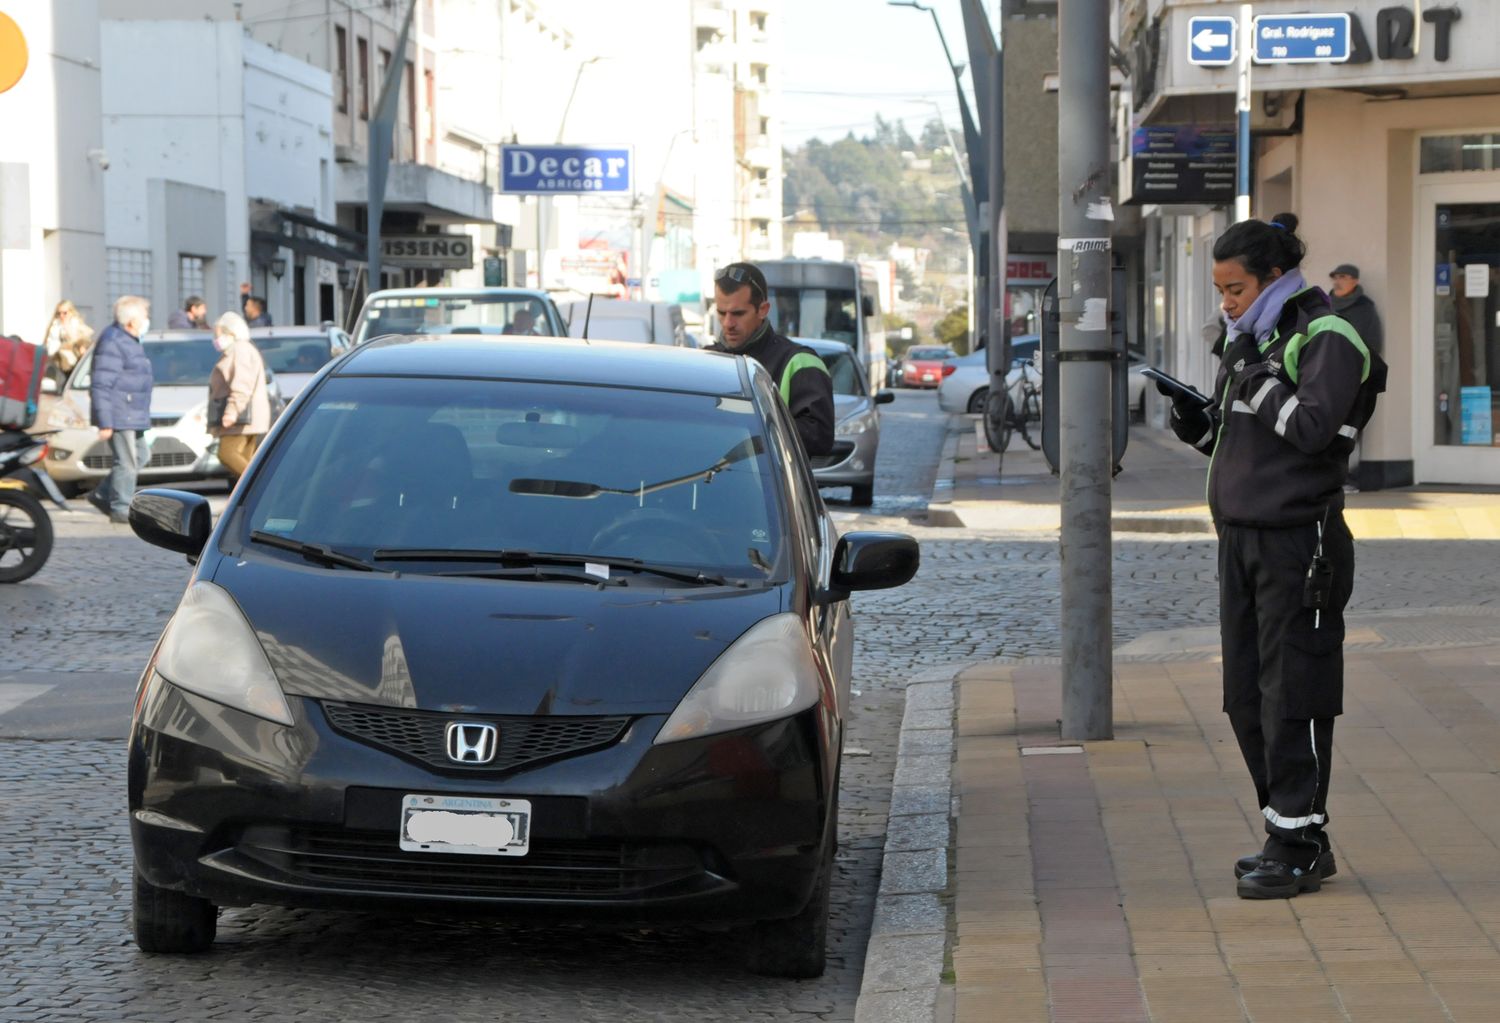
848,60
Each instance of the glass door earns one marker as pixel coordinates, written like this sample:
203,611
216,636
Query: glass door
1458,369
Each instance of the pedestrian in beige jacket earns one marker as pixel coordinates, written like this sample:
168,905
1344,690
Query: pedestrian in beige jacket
237,386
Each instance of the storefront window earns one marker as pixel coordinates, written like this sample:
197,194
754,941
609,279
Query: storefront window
1441,154
1466,325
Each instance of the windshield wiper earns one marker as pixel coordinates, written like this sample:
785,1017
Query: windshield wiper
524,559
318,552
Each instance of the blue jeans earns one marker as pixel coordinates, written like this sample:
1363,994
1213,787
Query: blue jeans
130,452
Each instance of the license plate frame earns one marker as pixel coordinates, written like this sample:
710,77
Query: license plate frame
465,825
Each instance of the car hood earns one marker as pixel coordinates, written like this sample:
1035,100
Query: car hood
484,645
174,400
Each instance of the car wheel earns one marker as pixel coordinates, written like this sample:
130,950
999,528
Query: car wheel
862,495
978,398
168,921
796,948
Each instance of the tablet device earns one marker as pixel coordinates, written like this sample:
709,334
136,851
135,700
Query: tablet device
1173,388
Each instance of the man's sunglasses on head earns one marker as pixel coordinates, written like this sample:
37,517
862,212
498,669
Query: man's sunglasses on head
743,275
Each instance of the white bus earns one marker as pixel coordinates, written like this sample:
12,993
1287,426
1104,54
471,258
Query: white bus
814,298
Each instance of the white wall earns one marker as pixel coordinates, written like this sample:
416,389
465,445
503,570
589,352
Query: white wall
51,207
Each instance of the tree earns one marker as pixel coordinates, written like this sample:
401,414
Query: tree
953,329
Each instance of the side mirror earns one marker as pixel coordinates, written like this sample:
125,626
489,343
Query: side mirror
884,397
49,386
871,561
172,519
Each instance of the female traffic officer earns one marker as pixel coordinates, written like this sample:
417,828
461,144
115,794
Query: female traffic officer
1295,385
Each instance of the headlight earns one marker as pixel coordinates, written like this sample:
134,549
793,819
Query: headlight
854,426
767,673
209,649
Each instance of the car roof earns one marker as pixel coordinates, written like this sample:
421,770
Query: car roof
459,293
178,335
822,345
551,360
295,330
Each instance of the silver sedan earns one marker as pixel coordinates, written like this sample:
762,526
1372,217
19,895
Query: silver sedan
851,463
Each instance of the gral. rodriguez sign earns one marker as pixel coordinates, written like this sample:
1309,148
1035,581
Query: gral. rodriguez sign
566,170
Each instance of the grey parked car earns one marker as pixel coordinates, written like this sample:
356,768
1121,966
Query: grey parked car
615,319
851,463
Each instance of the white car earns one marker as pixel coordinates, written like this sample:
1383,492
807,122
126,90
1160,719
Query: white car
181,446
295,354
966,385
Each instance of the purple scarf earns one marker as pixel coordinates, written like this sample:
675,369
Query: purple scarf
1260,319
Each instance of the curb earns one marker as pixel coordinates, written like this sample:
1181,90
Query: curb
909,937
940,507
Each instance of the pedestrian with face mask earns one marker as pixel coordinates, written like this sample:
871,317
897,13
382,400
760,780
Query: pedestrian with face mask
120,403
238,401
1296,383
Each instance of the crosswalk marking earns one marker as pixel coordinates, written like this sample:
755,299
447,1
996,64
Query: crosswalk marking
13,694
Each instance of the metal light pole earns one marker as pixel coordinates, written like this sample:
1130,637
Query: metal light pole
1084,366
382,129
1242,116
987,62
544,202
977,194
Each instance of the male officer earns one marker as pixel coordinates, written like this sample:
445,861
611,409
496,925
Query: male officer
741,299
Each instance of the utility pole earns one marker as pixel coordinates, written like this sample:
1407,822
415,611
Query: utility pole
382,130
1242,116
986,61
1085,361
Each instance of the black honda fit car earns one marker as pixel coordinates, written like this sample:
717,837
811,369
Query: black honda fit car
524,625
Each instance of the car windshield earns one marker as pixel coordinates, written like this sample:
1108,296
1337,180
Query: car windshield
847,378
454,314
305,354
181,363
383,464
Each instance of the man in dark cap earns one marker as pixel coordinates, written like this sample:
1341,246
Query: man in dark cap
743,303
1351,302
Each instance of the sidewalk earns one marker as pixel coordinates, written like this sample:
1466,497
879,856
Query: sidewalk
1093,881
1162,490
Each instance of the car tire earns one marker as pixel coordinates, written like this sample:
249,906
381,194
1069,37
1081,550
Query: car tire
862,495
978,398
168,921
797,948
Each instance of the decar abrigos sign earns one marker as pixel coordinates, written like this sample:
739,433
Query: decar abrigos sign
566,170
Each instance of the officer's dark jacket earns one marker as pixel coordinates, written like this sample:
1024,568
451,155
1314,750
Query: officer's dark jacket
1283,429
803,380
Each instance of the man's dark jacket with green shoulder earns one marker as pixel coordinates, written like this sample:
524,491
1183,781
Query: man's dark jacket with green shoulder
803,380
1288,412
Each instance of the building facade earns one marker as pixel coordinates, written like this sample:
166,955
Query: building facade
1391,160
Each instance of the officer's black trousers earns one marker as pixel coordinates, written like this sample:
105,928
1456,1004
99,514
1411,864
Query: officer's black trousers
1284,674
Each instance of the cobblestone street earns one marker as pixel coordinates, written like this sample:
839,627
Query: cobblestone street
83,627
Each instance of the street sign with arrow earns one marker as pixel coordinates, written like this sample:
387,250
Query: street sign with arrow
1211,41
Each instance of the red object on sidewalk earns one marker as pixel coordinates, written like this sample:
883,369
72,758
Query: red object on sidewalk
21,370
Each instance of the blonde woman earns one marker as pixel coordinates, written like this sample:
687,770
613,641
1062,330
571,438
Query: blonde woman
239,407
66,339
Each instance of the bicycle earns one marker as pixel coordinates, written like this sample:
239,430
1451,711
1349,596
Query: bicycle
1023,407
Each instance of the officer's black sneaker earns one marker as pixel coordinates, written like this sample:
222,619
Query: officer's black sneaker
1272,879
1325,867
96,498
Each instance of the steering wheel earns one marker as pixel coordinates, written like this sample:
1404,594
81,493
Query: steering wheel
655,534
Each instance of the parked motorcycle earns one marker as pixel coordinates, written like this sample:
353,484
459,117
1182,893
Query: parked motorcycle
25,526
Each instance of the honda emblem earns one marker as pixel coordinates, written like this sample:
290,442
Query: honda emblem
471,742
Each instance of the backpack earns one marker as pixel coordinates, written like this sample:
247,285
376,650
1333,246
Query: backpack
22,367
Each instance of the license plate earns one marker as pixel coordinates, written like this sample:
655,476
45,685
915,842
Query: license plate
465,824
928,376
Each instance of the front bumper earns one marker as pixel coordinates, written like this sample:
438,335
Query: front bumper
851,463
237,810
78,455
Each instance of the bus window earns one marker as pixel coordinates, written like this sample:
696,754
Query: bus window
829,313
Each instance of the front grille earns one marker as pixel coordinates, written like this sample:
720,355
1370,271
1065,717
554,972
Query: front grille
166,453
557,869
419,735
165,420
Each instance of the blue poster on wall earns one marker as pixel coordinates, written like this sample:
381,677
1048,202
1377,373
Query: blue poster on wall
1474,409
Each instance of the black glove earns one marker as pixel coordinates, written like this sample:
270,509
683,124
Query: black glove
1190,420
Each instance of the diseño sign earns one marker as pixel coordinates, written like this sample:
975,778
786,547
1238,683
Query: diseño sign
428,251
1301,39
567,170
1182,164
